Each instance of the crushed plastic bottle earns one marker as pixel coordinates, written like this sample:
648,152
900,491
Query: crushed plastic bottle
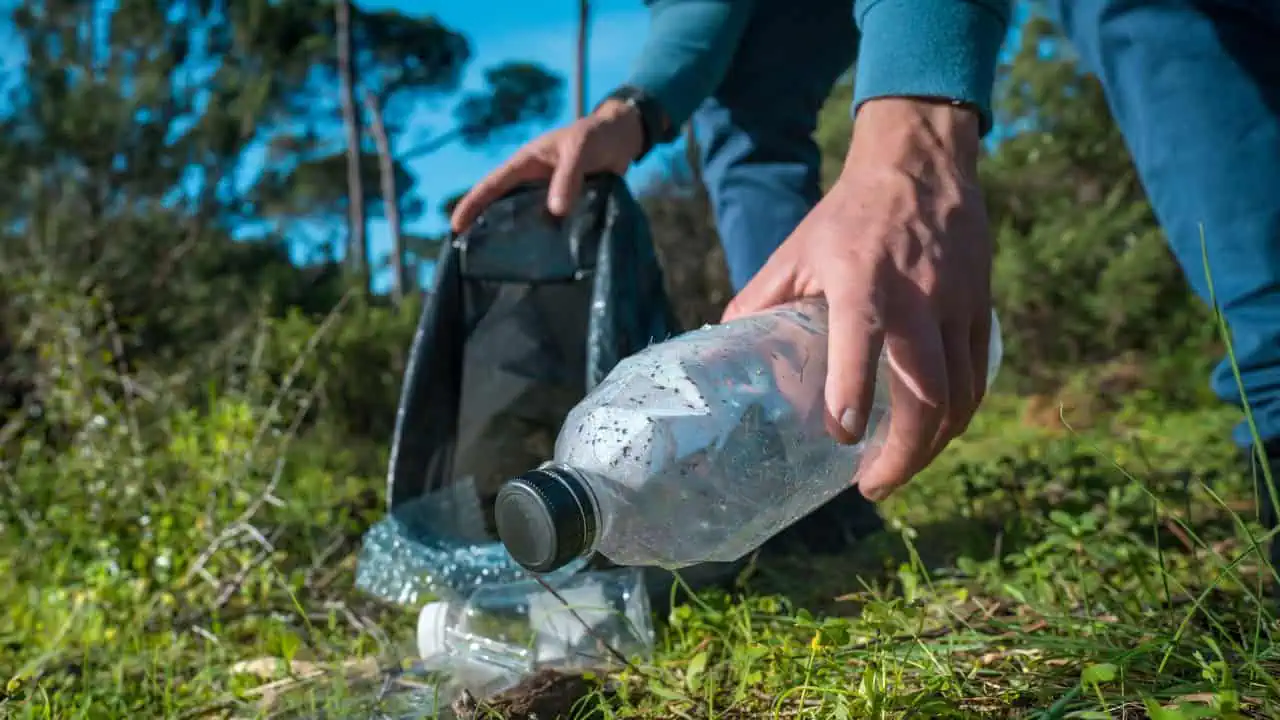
503,633
698,449
409,557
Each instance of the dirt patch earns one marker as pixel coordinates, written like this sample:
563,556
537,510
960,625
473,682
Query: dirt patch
545,695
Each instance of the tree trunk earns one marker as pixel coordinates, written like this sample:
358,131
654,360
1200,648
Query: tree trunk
390,194
357,249
580,80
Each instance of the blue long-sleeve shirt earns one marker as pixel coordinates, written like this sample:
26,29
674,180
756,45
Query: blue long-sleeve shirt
908,48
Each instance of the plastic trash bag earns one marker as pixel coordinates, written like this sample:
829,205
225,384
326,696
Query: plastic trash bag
528,312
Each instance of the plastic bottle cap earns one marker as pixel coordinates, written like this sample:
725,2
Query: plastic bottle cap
545,518
431,625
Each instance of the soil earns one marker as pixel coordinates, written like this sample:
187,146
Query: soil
545,695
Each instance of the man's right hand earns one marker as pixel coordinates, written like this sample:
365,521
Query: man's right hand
606,140
900,247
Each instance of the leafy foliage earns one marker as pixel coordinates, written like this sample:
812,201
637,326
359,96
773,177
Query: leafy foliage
182,164
1082,272
518,93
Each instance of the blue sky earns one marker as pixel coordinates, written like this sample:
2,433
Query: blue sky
543,31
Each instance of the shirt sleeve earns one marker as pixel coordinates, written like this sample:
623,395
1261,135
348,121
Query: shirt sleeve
688,50
930,48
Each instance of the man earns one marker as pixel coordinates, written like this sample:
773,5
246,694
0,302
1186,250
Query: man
900,245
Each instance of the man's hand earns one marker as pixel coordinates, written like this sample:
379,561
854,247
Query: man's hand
901,249
608,139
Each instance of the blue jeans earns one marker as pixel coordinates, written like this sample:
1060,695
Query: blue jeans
759,161
1192,84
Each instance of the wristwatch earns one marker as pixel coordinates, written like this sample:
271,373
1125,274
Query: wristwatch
655,126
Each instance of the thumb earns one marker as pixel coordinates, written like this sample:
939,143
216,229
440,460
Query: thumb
854,341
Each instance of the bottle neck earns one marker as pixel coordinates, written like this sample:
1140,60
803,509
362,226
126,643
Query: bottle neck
583,484
548,517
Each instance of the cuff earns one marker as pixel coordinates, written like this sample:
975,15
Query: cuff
688,51
930,48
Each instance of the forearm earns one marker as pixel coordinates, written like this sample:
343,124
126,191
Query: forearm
930,49
688,51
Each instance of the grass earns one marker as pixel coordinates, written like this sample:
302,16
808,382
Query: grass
167,563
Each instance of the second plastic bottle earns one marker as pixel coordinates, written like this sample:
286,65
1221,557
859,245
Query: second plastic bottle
698,449
502,633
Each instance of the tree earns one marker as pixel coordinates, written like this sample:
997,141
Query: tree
357,248
390,194
580,64
170,161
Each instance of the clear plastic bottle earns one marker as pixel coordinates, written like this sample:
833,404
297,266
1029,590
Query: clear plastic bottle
698,449
502,633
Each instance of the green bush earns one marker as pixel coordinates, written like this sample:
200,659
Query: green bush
1082,271
352,360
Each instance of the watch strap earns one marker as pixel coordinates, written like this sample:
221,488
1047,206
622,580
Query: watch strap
655,126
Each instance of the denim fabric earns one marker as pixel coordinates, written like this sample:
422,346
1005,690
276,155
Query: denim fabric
755,133
1195,88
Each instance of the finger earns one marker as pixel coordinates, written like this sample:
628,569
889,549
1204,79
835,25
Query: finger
772,285
960,395
854,341
877,437
918,403
566,177
521,168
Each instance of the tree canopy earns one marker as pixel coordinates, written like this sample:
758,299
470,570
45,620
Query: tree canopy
184,163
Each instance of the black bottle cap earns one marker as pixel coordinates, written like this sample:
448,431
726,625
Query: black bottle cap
546,518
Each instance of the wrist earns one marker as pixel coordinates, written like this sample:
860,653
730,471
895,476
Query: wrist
623,118
920,136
